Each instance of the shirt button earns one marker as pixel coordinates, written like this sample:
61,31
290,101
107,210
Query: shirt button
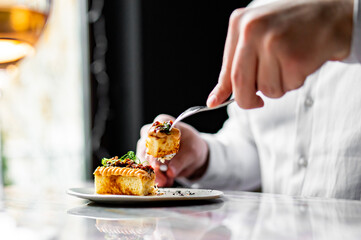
308,102
302,162
302,208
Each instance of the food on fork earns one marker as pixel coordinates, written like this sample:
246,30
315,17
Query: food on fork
125,176
162,143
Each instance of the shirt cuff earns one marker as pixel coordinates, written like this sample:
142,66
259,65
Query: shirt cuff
355,55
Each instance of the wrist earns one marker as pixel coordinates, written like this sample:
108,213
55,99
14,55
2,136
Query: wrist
200,171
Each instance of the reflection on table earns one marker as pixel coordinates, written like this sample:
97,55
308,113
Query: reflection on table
238,215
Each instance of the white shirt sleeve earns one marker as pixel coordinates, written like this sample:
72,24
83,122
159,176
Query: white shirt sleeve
233,156
355,54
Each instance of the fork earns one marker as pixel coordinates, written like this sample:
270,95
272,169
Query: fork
197,109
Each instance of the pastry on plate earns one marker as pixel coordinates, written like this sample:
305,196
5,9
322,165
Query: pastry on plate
162,143
125,176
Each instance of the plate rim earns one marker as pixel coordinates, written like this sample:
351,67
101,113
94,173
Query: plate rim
132,198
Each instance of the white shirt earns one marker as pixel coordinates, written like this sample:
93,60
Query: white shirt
306,143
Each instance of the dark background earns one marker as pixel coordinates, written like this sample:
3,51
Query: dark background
158,56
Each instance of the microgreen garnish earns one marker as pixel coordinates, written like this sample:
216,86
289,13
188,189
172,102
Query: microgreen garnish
165,127
145,162
105,161
129,155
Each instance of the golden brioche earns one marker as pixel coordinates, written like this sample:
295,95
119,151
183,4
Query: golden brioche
162,143
124,176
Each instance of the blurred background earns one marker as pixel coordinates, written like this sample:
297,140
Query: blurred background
161,57
101,71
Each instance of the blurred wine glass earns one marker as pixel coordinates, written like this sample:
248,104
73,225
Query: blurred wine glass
21,25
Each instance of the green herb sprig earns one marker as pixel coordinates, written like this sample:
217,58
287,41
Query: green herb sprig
166,127
129,155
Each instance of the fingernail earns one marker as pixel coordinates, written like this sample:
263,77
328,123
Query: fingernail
211,100
163,168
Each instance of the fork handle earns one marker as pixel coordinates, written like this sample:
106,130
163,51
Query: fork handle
205,109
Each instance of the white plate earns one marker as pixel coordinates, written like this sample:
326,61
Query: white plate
170,194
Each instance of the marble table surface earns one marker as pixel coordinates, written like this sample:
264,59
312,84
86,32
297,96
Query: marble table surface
237,215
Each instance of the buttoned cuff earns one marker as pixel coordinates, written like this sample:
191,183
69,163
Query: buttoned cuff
355,55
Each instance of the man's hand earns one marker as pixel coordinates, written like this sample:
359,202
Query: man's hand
188,162
273,48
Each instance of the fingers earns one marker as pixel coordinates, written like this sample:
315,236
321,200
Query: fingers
192,155
164,118
224,87
239,68
292,78
244,75
164,176
269,78
144,130
176,165
161,178
256,57
166,172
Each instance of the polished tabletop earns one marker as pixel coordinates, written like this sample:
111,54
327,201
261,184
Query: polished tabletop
237,215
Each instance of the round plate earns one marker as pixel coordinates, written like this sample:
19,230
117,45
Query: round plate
167,194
